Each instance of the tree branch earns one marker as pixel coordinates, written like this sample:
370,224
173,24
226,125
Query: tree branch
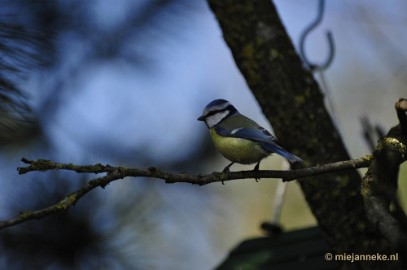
46,165
117,173
379,185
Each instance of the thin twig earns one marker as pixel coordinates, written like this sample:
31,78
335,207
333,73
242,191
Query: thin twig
64,204
46,165
371,133
401,109
116,173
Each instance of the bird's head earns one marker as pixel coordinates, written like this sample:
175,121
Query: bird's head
216,111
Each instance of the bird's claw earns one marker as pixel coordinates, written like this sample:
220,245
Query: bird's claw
256,169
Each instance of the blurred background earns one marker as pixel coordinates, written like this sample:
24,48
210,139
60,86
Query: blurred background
92,81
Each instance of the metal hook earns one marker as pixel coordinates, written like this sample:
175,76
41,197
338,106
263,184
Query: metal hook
331,44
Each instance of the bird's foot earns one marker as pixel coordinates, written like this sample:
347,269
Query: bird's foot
256,169
226,169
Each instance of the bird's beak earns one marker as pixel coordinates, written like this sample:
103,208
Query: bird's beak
201,118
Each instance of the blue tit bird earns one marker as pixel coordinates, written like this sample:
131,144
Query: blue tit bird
238,138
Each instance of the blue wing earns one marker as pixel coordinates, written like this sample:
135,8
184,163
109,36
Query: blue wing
267,141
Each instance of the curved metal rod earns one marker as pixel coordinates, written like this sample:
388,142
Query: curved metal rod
331,45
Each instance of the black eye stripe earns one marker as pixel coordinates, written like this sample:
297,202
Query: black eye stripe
229,108
215,112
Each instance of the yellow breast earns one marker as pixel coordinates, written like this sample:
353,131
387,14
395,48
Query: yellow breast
238,150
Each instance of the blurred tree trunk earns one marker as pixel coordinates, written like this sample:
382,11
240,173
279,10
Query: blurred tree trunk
292,101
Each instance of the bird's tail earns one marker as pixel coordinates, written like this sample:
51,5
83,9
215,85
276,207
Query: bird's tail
282,152
290,157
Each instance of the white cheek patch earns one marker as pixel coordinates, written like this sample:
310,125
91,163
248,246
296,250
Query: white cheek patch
213,120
